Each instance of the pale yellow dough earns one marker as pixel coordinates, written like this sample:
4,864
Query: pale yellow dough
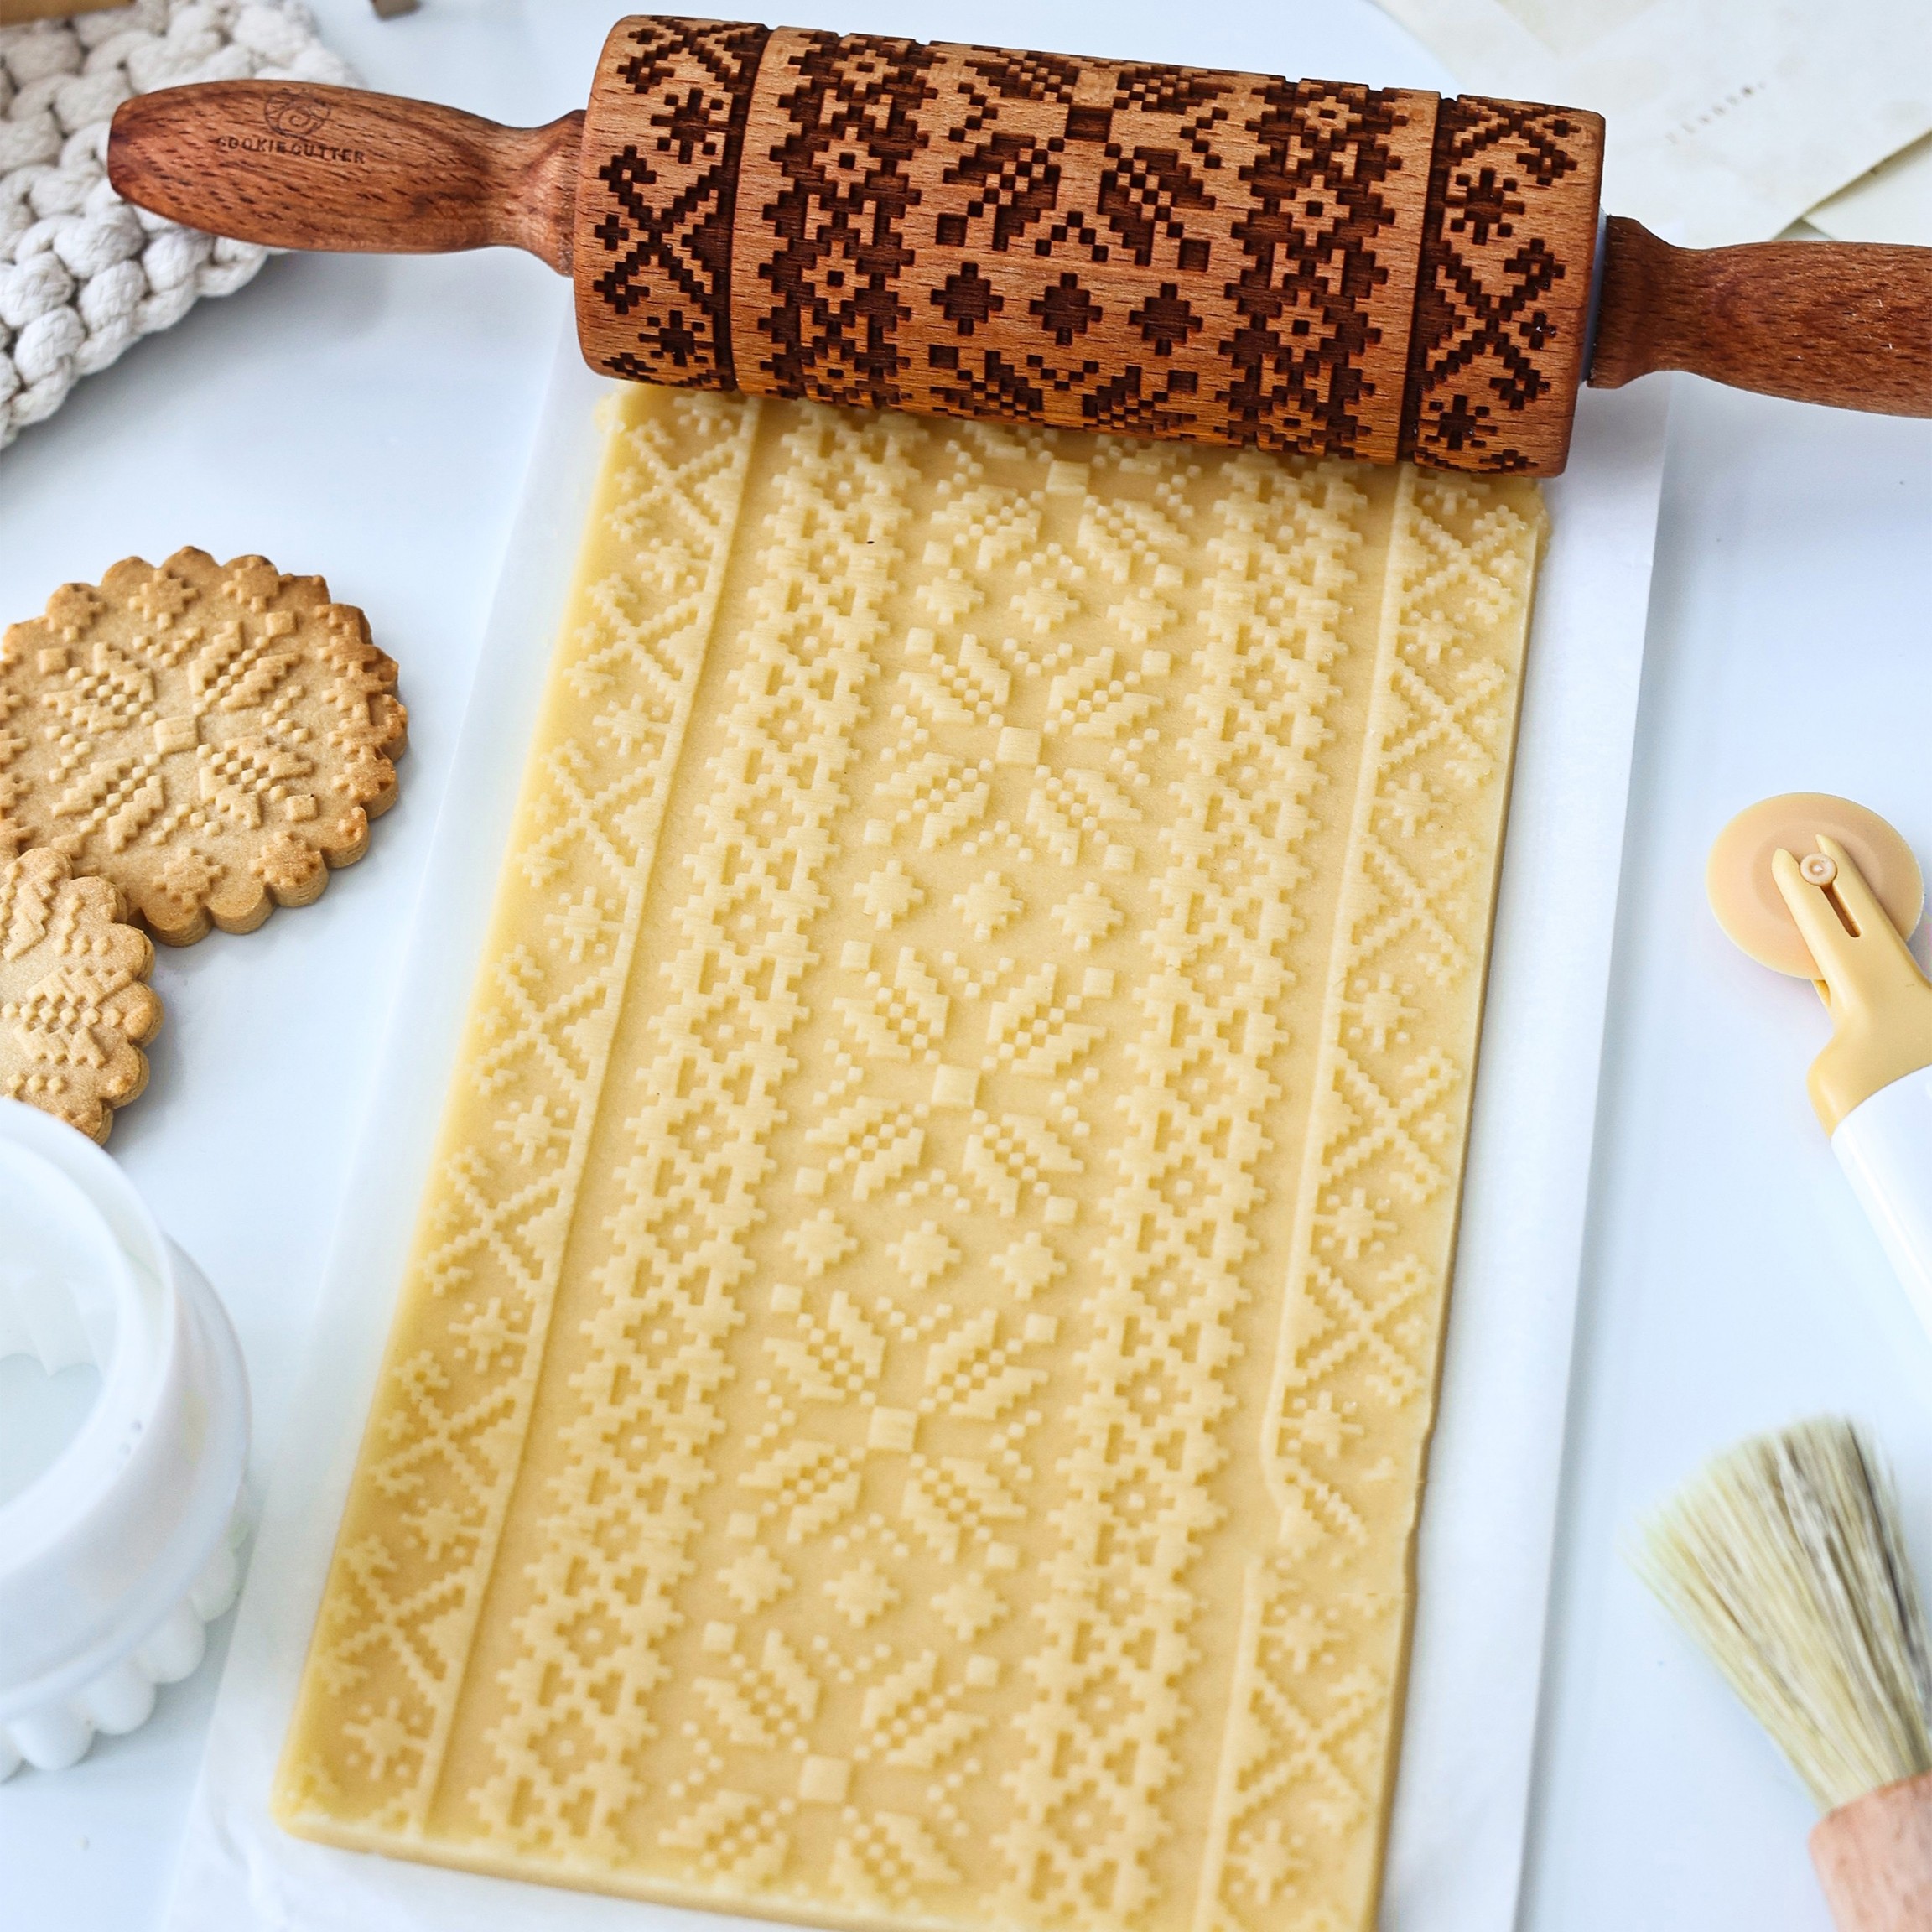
909,1404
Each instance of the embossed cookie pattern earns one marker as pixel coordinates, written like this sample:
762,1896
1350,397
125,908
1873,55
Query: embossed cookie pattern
74,1013
211,738
908,1405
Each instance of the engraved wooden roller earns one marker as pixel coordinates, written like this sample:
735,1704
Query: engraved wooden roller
961,230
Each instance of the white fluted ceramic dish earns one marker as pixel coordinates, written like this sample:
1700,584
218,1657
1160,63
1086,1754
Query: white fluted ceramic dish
118,1553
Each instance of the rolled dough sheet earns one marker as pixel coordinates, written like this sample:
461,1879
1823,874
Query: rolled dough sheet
909,1403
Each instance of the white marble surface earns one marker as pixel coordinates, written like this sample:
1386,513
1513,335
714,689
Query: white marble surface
371,420
1733,1285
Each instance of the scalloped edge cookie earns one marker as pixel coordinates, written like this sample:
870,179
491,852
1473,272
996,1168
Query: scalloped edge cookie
213,739
75,1008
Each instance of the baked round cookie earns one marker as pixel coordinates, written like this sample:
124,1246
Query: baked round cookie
210,738
74,1013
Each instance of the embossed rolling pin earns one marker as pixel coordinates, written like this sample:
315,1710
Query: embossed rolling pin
972,231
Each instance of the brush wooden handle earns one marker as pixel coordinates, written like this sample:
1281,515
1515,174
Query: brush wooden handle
1847,323
1313,267
1874,1859
289,164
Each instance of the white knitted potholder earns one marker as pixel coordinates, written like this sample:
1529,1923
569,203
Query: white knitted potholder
81,273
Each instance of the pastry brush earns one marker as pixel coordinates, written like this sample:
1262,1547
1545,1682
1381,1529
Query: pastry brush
1785,1558
1315,267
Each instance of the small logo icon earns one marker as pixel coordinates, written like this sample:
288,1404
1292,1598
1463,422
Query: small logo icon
298,117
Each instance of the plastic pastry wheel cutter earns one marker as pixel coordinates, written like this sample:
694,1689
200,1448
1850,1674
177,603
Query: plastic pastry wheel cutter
1822,889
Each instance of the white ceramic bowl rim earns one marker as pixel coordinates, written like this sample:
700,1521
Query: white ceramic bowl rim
130,1273
99,1549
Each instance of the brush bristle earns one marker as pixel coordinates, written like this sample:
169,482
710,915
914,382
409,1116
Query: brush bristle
1785,1559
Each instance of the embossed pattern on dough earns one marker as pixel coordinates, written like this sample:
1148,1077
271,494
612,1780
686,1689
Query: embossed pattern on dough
211,738
74,1011
908,1404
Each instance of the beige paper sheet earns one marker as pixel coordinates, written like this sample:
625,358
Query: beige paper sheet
1728,118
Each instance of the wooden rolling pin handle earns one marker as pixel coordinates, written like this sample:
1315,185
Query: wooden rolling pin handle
1847,323
289,165
1874,1856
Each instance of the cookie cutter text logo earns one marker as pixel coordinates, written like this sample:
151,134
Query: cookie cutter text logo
295,116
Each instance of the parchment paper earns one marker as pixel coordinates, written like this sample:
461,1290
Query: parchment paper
1489,1509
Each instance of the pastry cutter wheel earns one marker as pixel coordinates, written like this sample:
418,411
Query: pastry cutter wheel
1824,890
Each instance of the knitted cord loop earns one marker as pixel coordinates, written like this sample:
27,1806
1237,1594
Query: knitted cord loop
82,274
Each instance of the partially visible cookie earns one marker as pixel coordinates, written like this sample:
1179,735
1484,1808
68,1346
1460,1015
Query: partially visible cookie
74,1013
211,738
